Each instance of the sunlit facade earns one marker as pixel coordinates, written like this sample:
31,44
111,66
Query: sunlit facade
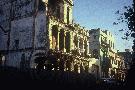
102,48
118,69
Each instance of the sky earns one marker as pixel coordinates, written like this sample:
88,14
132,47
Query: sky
101,14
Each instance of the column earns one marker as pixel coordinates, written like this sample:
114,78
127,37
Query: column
72,43
88,47
64,40
58,39
50,36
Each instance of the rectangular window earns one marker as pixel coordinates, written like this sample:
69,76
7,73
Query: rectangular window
67,15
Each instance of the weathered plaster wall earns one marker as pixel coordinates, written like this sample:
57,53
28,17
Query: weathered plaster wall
41,38
94,42
21,30
3,41
18,16
22,8
4,22
14,58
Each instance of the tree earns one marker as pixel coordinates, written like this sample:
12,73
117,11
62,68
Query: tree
128,16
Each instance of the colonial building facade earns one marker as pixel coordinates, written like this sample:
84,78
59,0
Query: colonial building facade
127,56
41,34
102,47
118,69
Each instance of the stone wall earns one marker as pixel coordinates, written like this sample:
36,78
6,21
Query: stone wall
25,28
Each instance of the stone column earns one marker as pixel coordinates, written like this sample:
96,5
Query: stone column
83,46
50,36
71,40
77,42
58,40
64,41
87,40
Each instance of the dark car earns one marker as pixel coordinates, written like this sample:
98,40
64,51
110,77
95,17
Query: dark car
109,81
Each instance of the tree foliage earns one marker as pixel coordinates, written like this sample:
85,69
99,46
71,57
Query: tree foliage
128,17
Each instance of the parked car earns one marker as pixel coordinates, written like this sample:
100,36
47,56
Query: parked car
109,81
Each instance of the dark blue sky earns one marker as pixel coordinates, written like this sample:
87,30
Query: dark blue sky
101,14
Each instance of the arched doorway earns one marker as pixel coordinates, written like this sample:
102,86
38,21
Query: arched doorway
40,61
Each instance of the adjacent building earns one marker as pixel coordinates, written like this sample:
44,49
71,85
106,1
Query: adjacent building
101,46
127,56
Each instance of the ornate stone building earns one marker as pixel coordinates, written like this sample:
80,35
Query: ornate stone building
102,47
41,34
118,69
